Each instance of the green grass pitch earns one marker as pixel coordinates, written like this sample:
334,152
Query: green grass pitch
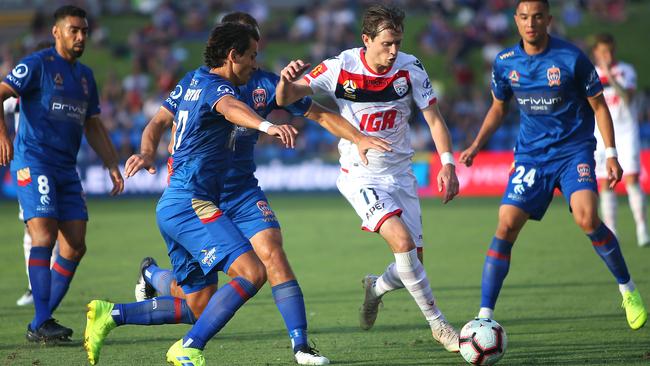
559,305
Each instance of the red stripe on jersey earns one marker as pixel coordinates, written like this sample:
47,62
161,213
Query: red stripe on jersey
170,168
61,270
397,212
433,101
371,83
212,218
177,310
39,262
494,254
24,182
363,60
239,289
344,170
308,80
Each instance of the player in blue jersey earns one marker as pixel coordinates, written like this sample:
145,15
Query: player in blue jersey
243,200
59,103
558,93
201,238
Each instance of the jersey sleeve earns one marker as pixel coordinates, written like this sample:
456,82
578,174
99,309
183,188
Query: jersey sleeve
499,84
628,79
299,107
174,98
220,90
26,75
93,97
586,76
423,92
323,78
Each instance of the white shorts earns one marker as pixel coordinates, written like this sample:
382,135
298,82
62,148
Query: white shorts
628,148
375,199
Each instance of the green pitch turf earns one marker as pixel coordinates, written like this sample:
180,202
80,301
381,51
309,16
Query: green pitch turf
559,306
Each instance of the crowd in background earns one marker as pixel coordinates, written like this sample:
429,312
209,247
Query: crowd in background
456,31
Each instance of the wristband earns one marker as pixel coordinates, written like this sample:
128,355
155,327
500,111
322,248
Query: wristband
264,126
610,152
447,158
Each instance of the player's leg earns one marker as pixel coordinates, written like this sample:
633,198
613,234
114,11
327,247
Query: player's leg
26,298
72,247
636,198
497,260
583,204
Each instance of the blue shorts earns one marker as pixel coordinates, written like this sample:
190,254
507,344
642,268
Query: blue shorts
201,240
50,192
531,185
249,210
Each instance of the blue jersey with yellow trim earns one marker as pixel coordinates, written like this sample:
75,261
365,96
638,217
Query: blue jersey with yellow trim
202,150
551,91
259,94
56,99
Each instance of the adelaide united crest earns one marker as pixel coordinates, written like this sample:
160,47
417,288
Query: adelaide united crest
259,98
554,76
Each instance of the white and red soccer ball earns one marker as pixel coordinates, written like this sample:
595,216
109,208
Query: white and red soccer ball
483,342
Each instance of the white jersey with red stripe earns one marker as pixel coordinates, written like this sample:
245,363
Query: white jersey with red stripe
623,114
378,105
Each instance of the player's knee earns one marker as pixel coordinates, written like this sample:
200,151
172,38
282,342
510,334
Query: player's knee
587,222
507,228
403,245
255,274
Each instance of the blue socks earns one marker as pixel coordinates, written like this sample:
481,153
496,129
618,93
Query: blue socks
495,269
221,308
606,245
62,272
160,279
289,300
160,310
40,278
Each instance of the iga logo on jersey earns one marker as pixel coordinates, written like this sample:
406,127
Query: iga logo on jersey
554,76
259,98
401,86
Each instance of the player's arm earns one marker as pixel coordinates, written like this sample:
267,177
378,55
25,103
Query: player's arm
99,140
6,146
160,122
240,114
338,126
493,119
290,88
447,178
606,128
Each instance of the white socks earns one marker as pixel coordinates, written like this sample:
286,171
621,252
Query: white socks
609,208
415,280
637,204
623,288
485,313
388,281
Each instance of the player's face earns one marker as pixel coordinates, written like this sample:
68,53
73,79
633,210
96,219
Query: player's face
70,34
245,64
532,19
603,55
382,50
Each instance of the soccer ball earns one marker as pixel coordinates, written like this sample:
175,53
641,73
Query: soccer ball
482,342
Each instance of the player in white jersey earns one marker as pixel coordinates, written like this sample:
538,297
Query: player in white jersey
375,88
11,106
619,83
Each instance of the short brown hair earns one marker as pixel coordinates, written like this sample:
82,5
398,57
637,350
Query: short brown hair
378,18
604,38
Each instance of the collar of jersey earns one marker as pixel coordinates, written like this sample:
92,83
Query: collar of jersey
522,51
363,61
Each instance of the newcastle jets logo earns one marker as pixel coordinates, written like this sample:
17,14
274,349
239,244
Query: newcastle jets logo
401,86
259,98
554,76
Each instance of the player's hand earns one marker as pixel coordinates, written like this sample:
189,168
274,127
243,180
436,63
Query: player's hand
118,181
467,156
614,172
6,150
137,162
368,142
286,133
448,181
294,70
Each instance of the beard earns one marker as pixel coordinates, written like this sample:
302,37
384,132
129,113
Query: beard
77,51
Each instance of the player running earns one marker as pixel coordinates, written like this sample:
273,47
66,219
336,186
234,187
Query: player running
619,84
375,87
242,199
58,103
558,92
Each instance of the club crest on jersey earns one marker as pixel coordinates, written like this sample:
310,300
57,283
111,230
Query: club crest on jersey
321,68
268,214
401,86
554,76
584,170
24,177
259,98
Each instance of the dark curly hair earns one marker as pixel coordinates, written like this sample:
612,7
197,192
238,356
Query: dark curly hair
225,37
68,11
